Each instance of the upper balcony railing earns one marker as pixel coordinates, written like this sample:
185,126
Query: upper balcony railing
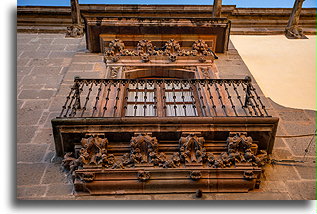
163,98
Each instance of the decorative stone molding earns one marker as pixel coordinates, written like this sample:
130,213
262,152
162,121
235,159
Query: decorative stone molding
145,49
143,176
195,175
114,72
191,149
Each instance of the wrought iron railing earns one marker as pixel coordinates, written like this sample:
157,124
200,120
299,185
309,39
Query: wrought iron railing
163,98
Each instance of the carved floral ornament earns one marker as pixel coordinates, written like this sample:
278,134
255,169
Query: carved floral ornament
145,49
144,152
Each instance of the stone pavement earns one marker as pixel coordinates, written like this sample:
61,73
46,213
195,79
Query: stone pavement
46,66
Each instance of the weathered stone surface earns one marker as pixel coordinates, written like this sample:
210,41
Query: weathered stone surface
311,115
22,70
59,189
22,62
302,190
46,70
186,196
25,133
35,54
31,191
296,115
36,104
31,153
81,66
30,174
299,145
36,94
254,196
61,54
65,41
306,170
28,117
45,62
54,175
280,172
51,115
281,154
49,80
43,47
43,136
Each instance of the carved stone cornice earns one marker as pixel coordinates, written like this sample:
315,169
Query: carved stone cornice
145,50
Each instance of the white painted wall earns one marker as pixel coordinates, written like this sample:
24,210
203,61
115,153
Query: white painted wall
284,69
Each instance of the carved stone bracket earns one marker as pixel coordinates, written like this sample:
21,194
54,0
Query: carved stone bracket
75,31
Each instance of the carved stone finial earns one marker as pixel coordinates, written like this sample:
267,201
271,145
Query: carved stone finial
191,149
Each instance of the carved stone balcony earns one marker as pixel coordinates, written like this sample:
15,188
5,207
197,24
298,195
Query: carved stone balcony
164,135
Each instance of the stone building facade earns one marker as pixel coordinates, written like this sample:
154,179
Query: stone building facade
47,65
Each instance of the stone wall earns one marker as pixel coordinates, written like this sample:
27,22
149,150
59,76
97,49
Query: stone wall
46,66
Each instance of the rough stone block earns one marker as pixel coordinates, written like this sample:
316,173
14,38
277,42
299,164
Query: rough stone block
298,145
36,104
22,70
28,117
280,172
32,191
46,70
48,80
81,66
36,94
306,170
51,115
54,175
281,154
311,115
45,62
302,190
25,133
254,196
35,54
23,62
39,40
59,190
295,115
29,174
61,54
65,41
43,136
43,47
31,152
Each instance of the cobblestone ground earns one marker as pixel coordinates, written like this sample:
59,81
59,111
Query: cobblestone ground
46,66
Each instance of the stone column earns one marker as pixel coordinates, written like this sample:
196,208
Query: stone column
76,29
216,10
293,31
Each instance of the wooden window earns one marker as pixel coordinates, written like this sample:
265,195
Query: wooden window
141,100
179,99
